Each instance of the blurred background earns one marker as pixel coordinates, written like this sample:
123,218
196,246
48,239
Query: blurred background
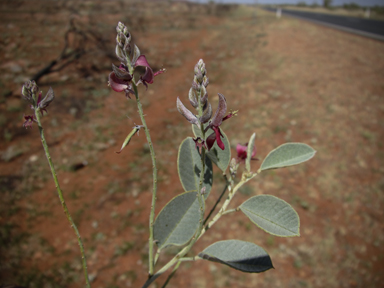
291,80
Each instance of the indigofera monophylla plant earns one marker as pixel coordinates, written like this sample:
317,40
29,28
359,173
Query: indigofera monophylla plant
185,219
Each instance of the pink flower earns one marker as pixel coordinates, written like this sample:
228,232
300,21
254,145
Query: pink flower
215,123
121,80
28,121
242,152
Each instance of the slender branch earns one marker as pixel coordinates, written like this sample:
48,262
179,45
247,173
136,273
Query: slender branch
171,275
60,193
230,211
226,203
218,200
154,175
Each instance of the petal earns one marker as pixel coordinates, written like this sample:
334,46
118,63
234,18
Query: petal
186,113
210,140
142,61
122,73
148,76
241,151
218,138
117,84
207,113
220,112
193,98
47,99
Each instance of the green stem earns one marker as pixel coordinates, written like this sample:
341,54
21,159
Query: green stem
201,200
223,209
60,193
154,175
171,275
230,211
218,200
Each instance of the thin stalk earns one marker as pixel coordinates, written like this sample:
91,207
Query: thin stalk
201,199
60,193
225,204
217,201
230,211
154,175
171,275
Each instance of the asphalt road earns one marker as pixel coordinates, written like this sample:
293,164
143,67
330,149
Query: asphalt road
365,27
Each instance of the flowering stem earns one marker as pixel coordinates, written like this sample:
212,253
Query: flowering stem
60,193
154,175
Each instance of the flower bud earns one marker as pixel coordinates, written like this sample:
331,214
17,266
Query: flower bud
207,113
186,113
205,81
204,95
193,98
29,89
201,67
233,166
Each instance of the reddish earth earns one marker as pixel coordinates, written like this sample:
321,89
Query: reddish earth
291,81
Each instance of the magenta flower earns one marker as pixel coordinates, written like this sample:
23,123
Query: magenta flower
121,80
215,123
28,121
242,152
148,75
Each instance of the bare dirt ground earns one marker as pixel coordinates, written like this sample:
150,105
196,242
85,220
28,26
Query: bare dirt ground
291,81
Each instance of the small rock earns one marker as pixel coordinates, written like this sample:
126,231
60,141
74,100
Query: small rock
100,146
11,153
33,158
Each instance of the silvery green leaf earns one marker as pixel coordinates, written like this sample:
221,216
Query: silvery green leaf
287,155
240,255
273,215
189,167
178,221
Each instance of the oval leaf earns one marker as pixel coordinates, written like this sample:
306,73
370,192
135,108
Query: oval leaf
177,221
221,158
273,215
241,255
287,155
189,167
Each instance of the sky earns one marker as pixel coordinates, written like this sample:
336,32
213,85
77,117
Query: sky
309,2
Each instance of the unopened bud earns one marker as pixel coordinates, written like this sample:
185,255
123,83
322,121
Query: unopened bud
192,98
186,113
204,95
233,167
119,41
207,113
201,67
205,81
28,91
